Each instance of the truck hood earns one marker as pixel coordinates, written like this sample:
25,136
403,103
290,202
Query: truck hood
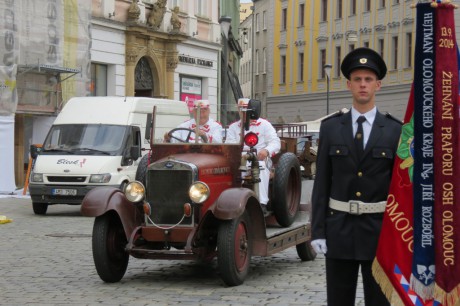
76,164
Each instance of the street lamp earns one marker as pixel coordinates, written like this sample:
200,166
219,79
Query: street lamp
327,70
225,24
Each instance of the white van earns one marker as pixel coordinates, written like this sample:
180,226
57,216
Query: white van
97,141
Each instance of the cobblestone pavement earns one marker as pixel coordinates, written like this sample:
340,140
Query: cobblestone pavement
47,260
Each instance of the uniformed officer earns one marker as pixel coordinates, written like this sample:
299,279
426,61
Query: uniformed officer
354,166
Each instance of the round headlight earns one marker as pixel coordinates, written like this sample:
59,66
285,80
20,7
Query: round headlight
198,192
135,191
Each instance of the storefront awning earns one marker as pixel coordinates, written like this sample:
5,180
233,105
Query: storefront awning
40,68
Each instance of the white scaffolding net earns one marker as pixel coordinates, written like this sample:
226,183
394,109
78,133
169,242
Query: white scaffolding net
45,47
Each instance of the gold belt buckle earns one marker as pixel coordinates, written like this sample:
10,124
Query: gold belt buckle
354,208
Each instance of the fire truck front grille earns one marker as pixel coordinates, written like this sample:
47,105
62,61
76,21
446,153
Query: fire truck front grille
66,179
167,192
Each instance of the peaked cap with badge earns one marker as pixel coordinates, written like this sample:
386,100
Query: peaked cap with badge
363,58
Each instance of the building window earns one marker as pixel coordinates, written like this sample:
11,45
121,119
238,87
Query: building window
395,1
301,14
323,10
98,80
338,60
257,22
301,64
201,8
381,47
283,69
339,9
351,47
264,20
367,5
322,59
257,62
381,3
284,19
366,44
408,50
395,53
353,7
264,59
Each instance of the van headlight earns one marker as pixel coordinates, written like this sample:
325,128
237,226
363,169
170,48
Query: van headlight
36,177
198,192
135,191
100,178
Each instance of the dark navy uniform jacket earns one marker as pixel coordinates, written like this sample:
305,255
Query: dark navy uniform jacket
341,176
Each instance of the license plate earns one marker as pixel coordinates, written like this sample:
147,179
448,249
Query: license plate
65,192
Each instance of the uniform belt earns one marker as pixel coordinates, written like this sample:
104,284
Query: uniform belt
358,207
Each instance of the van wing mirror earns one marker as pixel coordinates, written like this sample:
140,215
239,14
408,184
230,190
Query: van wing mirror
135,152
252,112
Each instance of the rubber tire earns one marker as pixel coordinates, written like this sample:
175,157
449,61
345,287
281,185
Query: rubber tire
40,208
287,189
109,242
305,251
234,247
142,169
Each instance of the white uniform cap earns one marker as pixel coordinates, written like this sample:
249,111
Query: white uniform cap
201,103
243,102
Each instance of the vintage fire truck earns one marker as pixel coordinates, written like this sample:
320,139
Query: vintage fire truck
199,201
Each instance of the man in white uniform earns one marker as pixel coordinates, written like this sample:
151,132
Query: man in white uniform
209,128
269,144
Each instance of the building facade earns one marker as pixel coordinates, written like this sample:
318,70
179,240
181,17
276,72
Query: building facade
305,40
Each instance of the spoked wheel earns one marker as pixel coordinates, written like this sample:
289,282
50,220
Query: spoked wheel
234,246
305,251
109,242
287,189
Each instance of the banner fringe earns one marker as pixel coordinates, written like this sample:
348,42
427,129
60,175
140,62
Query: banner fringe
423,291
451,298
385,284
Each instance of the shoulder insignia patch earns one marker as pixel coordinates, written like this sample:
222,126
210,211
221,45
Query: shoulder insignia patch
334,115
388,115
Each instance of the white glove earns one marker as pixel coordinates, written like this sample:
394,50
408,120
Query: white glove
319,245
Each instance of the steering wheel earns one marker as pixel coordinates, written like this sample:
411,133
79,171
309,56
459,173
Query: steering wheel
190,131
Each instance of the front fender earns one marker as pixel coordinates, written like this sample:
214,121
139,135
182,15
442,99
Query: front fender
232,203
100,200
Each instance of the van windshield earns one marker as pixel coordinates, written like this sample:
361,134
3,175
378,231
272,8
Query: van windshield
85,139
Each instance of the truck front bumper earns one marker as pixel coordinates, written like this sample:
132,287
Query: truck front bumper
47,194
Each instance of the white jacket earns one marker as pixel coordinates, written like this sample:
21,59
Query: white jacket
268,139
212,128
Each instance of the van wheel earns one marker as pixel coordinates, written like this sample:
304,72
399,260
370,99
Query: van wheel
142,169
40,208
234,247
109,242
287,189
305,251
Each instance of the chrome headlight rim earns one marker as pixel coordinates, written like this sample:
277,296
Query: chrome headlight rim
135,191
199,192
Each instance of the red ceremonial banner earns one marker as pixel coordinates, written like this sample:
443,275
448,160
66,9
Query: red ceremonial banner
446,161
395,252
393,263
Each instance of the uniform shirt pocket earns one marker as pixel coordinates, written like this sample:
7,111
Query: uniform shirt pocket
385,153
338,150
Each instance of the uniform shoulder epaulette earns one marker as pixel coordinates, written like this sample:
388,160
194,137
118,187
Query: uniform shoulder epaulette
334,115
388,115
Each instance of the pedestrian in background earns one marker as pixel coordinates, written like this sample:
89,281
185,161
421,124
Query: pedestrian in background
354,166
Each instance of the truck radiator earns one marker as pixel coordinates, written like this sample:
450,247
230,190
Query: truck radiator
167,192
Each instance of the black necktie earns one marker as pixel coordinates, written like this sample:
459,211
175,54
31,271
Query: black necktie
359,136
